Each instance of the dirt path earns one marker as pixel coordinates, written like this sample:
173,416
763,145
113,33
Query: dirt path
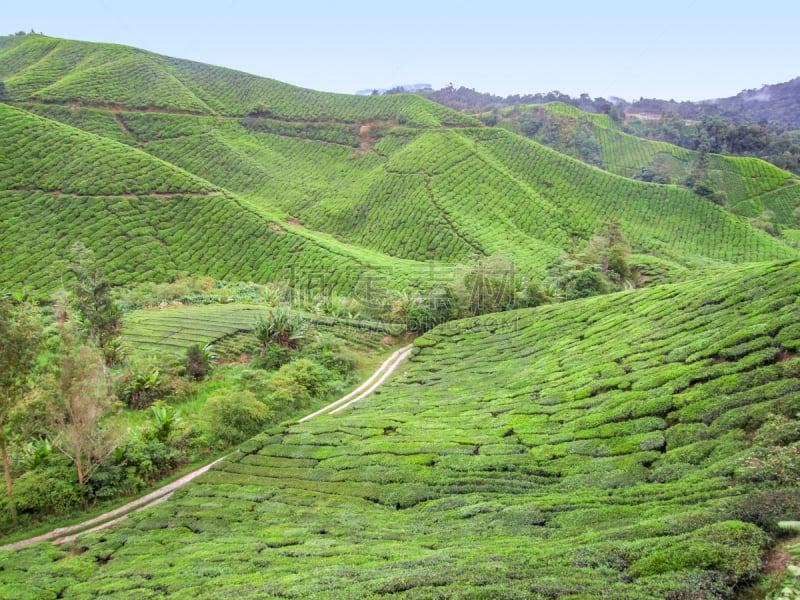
68,534
366,388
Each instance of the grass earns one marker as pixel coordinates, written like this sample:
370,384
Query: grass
588,449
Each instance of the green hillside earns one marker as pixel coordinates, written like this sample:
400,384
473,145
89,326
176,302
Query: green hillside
144,218
623,446
431,194
350,187
50,70
596,139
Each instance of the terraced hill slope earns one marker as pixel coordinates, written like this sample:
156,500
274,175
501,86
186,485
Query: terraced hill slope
344,188
622,446
50,70
146,219
751,186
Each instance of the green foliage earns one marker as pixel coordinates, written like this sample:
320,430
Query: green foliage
20,334
35,452
424,194
272,356
165,422
63,160
94,302
281,326
198,361
490,285
550,452
142,460
144,381
50,490
767,508
296,383
735,183
308,374
730,547
59,71
235,417
599,267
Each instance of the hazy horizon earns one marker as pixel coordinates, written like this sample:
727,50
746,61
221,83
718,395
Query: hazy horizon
684,52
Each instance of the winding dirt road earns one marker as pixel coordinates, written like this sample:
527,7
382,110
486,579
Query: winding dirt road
64,535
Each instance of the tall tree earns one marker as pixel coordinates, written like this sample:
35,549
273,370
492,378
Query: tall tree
93,299
20,334
84,397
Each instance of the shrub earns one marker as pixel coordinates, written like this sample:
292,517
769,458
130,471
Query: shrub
337,363
283,327
311,376
730,547
234,418
48,491
777,430
420,318
775,466
272,356
767,508
287,393
198,361
144,381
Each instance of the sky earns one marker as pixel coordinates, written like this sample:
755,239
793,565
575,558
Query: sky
679,49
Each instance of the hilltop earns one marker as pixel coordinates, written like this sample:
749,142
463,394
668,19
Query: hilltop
750,187
50,70
346,186
627,445
776,104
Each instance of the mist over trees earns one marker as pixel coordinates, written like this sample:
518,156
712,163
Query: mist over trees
762,123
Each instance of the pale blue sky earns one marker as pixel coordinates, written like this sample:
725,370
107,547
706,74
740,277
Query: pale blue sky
669,49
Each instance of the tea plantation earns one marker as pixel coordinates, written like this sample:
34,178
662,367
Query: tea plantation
637,445
171,330
749,186
624,446
52,70
219,173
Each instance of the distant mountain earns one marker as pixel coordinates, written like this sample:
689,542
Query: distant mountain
406,87
776,106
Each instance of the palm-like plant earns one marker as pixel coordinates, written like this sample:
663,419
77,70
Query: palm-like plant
282,327
165,421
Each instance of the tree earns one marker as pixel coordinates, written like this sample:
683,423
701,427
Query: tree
609,250
93,299
20,335
83,396
198,361
599,268
487,286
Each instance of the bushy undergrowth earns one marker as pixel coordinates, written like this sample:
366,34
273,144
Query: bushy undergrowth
227,405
